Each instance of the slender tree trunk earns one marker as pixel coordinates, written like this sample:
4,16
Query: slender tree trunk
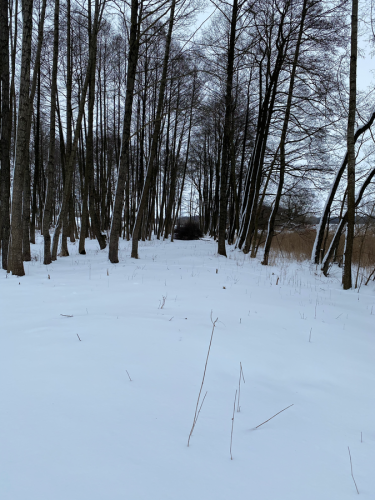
155,137
63,215
15,262
172,191
166,164
89,171
186,161
266,108
12,104
315,256
272,219
347,274
125,143
36,183
48,207
239,191
336,238
5,130
227,135
68,145
26,202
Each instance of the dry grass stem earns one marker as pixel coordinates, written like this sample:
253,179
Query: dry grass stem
239,387
204,375
204,397
273,416
351,468
162,302
231,434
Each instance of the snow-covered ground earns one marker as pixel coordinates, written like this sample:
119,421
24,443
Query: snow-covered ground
74,427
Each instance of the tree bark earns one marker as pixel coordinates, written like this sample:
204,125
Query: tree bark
125,143
36,183
228,136
315,256
63,215
5,128
272,219
155,137
89,170
252,181
336,238
15,262
347,274
48,207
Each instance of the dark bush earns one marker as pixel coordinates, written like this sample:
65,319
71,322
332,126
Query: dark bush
188,231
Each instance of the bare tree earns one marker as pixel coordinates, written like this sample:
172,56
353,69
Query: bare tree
15,260
5,132
347,274
47,217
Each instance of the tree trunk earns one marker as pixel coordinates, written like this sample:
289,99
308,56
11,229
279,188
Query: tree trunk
155,137
48,207
336,239
15,262
272,219
89,171
125,143
347,274
26,202
228,135
63,215
315,256
252,181
36,183
5,129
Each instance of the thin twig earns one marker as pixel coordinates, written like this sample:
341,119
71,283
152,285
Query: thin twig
79,338
239,388
67,315
273,416
231,434
128,375
351,468
200,407
204,374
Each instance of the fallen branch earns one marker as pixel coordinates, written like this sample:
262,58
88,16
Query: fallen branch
273,416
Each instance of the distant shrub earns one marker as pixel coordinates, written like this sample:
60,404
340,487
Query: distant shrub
188,231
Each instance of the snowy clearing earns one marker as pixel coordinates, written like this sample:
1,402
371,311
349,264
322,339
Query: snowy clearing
74,427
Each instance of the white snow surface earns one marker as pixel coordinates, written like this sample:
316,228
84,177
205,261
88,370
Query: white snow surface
74,427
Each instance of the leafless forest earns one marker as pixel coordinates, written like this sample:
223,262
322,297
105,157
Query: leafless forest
123,119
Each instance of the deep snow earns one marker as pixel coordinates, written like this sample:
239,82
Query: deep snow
74,427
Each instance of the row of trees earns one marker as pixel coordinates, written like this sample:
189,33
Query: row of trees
112,114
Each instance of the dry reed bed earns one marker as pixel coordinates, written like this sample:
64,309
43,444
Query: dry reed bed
298,246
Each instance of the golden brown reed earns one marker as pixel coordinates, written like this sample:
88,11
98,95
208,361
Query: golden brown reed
297,246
